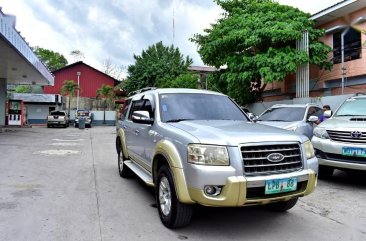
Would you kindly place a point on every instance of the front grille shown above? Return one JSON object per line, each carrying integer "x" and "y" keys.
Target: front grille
{"x": 259, "y": 192}
{"x": 358, "y": 119}
{"x": 255, "y": 159}
{"x": 346, "y": 136}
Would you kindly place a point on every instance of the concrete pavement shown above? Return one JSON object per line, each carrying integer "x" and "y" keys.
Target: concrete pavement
{"x": 63, "y": 184}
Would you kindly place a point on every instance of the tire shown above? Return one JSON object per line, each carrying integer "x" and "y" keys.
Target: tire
{"x": 173, "y": 214}
{"x": 325, "y": 172}
{"x": 282, "y": 206}
{"x": 123, "y": 170}
{"x": 48, "y": 126}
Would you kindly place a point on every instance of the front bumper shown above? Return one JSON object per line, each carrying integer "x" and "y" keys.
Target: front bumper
{"x": 244, "y": 191}
{"x": 329, "y": 153}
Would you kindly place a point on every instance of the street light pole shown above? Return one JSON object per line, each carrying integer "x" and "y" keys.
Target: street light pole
{"x": 77, "y": 99}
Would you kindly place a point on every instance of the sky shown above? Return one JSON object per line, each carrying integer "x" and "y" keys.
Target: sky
{"x": 118, "y": 29}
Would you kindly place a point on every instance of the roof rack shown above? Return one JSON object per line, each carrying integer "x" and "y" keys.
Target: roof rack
{"x": 141, "y": 90}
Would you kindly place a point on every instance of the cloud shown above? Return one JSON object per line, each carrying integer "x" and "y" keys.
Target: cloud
{"x": 115, "y": 29}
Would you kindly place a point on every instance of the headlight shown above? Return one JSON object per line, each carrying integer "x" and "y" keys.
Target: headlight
{"x": 321, "y": 133}
{"x": 309, "y": 149}
{"x": 208, "y": 155}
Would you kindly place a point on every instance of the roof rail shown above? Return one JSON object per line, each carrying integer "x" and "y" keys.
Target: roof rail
{"x": 141, "y": 90}
{"x": 360, "y": 93}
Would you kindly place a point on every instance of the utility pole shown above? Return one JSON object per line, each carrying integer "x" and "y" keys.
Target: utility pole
{"x": 77, "y": 99}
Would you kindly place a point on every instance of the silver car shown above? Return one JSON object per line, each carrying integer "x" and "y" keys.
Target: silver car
{"x": 340, "y": 142}
{"x": 198, "y": 147}
{"x": 299, "y": 118}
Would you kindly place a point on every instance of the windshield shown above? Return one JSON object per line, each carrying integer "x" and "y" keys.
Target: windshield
{"x": 352, "y": 107}
{"x": 178, "y": 107}
{"x": 287, "y": 114}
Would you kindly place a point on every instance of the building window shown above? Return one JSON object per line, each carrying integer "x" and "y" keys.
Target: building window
{"x": 352, "y": 46}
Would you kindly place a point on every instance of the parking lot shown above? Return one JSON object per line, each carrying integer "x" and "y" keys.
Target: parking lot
{"x": 63, "y": 184}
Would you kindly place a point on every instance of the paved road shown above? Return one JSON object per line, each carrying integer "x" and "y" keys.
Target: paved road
{"x": 63, "y": 184}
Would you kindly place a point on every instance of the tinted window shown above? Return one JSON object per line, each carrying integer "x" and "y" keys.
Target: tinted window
{"x": 283, "y": 114}
{"x": 314, "y": 111}
{"x": 136, "y": 105}
{"x": 352, "y": 107}
{"x": 57, "y": 113}
{"x": 198, "y": 107}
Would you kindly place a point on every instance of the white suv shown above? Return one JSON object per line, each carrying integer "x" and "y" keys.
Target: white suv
{"x": 340, "y": 142}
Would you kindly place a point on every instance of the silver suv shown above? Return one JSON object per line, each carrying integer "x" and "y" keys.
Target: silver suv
{"x": 197, "y": 146}
{"x": 340, "y": 142}
{"x": 299, "y": 118}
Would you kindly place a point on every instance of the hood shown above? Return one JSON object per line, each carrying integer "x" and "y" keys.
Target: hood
{"x": 335, "y": 123}
{"x": 280, "y": 124}
{"x": 233, "y": 133}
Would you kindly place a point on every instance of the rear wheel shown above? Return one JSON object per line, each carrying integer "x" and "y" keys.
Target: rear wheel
{"x": 173, "y": 214}
{"x": 282, "y": 206}
{"x": 325, "y": 172}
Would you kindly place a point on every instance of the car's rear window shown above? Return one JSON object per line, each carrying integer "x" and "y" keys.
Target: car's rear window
{"x": 58, "y": 113}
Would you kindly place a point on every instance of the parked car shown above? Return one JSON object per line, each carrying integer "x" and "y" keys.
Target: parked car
{"x": 87, "y": 118}
{"x": 57, "y": 118}
{"x": 340, "y": 142}
{"x": 299, "y": 118}
{"x": 198, "y": 147}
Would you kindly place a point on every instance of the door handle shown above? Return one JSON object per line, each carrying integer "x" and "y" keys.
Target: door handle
{"x": 124, "y": 126}
{"x": 137, "y": 132}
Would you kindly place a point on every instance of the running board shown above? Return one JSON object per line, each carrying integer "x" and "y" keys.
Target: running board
{"x": 140, "y": 172}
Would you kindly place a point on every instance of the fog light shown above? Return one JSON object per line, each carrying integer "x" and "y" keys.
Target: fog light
{"x": 212, "y": 190}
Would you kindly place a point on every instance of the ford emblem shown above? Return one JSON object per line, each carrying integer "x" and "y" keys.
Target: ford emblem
{"x": 356, "y": 134}
{"x": 275, "y": 157}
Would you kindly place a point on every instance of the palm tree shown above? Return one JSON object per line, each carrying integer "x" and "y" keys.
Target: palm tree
{"x": 68, "y": 89}
{"x": 105, "y": 92}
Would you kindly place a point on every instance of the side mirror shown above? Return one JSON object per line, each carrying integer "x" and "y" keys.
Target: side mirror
{"x": 313, "y": 118}
{"x": 327, "y": 113}
{"x": 142, "y": 117}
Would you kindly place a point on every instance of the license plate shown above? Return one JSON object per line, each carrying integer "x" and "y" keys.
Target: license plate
{"x": 353, "y": 151}
{"x": 281, "y": 185}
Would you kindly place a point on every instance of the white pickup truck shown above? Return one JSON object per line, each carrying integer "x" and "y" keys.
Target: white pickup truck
{"x": 57, "y": 118}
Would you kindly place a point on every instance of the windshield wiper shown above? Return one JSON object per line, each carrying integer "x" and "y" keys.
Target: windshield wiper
{"x": 177, "y": 120}
{"x": 350, "y": 115}
{"x": 275, "y": 120}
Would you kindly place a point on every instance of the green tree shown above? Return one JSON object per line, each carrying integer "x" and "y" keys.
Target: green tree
{"x": 52, "y": 60}
{"x": 68, "y": 89}
{"x": 106, "y": 92}
{"x": 23, "y": 89}
{"x": 156, "y": 66}
{"x": 186, "y": 80}
{"x": 256, "y": 39}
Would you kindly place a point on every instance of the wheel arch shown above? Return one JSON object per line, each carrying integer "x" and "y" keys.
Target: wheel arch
{"x": 167, "y": 154}
{"x": 121, "y": 143}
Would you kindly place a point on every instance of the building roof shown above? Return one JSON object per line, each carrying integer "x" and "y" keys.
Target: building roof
{"x": 337, "y": 10}
{"x": 82, "y": 63}
{"x": 204, "y": 69}
{"x": 19, "y": 64}
{"x": 37, "y": 98}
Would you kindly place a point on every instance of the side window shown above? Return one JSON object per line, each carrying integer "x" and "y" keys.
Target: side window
{"x": 125, "y": 109}
{"x": 147, "y": 106}
{"x": 315, "y": 111}
{"x": 136, "y": 105}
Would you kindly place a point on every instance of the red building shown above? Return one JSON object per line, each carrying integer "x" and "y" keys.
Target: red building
{"x": 90, "y": 79}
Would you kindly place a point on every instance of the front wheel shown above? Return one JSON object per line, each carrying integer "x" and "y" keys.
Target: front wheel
{"x": 282, "y": 206}
{"x": 123, "y": 170}
{"x": 173, "y": 214}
